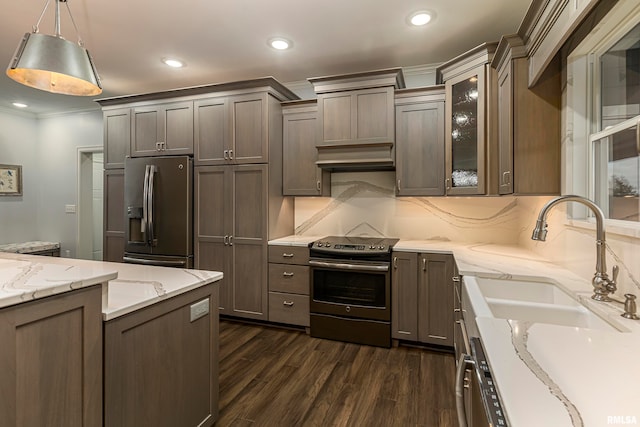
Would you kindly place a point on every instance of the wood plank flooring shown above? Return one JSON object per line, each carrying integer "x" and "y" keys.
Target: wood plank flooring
{"x": 278, "y": 377}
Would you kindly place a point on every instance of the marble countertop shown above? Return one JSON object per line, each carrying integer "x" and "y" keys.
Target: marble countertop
{"x": 296, "y": 240}
{"x": 130, "y": 287}
{"x": 28, "y": 277}
{"x": 549, "y": 374}
{"x": 139, "y": 286}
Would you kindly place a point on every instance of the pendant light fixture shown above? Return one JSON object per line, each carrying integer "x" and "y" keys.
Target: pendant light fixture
{"x": 53, "y": 64}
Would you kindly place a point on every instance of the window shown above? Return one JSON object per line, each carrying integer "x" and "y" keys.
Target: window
{"x": 604, "y": 121}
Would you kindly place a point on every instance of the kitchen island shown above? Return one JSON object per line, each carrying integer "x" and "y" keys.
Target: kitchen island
{"x": 549, "y": 374}
{"x": 157, "y": 327}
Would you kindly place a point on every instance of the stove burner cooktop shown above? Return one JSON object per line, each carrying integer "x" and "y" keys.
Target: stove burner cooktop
{"x": 353, "y": 246}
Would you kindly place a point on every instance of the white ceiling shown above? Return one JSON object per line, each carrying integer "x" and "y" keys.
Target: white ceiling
{"x": 226, "y": 40}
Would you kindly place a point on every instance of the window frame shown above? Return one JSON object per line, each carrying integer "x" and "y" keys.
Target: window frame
{"x": 582, "y": 112}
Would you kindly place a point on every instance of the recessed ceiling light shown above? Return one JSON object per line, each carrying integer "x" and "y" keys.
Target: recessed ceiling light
{"x": 19, "y": 105}
{"x": 280, "y": 43}
{"x": 174, "y": 63}
{"x": 420, "y": 18}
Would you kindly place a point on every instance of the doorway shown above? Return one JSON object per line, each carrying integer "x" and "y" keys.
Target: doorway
{"x": 90, "y": 203}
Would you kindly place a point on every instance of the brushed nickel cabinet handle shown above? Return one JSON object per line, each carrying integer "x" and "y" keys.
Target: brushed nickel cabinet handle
{"x": 230, "y": 240}
{"x": 230, "y": 154}
{"x": 286, "y": 255}
{"x": 226, "y": 240}
{"x": 395, "y": 262}
{"x": 446, "y": 184}
{"x": 287, "y": 303}
{"x": 456, "y": 278}
{"x": 399, "y": 186}
{"x": 424, "y": 264}
{"x": 226, "y": 154}
{"x": 286, "y": 274}
{"x": 318, "y": 185}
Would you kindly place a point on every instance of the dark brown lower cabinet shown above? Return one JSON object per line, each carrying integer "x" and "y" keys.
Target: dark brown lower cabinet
{"x": 51, "y": 361}
{"x": 161, "y": 364}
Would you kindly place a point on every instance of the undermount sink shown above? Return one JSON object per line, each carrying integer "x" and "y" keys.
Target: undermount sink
{"x": 531, "y": 300}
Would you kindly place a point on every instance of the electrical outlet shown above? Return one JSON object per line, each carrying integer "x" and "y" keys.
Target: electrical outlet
{"x": 199, "y": 309}
{"x": 70, "y": 208}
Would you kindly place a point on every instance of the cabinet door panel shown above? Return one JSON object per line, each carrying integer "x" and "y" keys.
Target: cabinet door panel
{"x": 117, "y": 137}
{"x": 374, "y": 116}
{"x": 436, "y": 293}
{"x": 300, "y": 174}
{"x": 215, "y": 256}
{"x": 51, "y": 361}
{"x": 250, "y": 297}
{"x": 249, "y": 202}
{"x": 404, "y": 297}
{"x": 178, "y": 128}
{"x": 211, "y": 130}
{"x": 420, "y": 149}
{"x": 114, "y": 215}
{"x": 145, "y": 132}
{"x": 505, "y": 130}
{"x": 249, "y": 129}
{"x": 336, "y": 117}
{"x": 211, "y": 198}
{"x": 465, "y": 132}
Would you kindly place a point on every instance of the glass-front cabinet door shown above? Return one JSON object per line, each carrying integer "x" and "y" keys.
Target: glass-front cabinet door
{"x": 464, "y": 135}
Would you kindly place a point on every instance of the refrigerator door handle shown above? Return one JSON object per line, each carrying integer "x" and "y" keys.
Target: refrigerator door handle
{"x": 152, "y": 173}
{"x": 145, "y": 196}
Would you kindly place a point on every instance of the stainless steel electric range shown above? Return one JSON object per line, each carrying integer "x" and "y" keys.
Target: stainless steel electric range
{"x": 351, "y": 289}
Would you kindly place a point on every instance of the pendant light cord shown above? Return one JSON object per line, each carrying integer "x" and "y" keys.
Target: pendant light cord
{"x": 36, "y": 28}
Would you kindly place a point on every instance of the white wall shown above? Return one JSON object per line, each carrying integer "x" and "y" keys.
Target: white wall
{"x": 46, "y": 148}
{"x": 58, "y": 140}
{"x": 18, "y": 143}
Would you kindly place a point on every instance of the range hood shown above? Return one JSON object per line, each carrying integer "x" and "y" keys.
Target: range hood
{"x": 356, "y": 120}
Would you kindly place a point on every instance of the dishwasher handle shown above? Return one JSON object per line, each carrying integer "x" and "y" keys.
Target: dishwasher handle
{"x": 465, "y": 362}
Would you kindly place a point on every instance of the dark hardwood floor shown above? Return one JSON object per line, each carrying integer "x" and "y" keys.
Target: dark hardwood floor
{"x": 279, "y": 377}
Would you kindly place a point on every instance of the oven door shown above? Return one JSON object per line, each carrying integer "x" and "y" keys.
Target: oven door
{"x": 348, "y": 288}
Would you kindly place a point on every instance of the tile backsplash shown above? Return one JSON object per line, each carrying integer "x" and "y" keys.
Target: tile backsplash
{"x": 365, "y": 204}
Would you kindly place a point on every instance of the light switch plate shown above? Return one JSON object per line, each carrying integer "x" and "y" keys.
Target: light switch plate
{"x": 199, "y": 309}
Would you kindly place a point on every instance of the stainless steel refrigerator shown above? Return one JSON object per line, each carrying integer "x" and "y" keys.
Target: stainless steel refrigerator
{"x": 158, "y": 211}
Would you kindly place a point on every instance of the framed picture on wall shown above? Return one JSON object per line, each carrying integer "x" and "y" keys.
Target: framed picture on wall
{"x": 10, "y": 180}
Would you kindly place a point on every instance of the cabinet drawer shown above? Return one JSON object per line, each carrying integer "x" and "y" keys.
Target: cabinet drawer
{"x": 287, "y": 308}
{"x": 289, "y": 278}
{"x": 289, "y": 254}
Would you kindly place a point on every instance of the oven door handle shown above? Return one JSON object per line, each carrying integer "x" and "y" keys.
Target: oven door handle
{"x": 465, "y": 362}
{"x": 346, "y": 266}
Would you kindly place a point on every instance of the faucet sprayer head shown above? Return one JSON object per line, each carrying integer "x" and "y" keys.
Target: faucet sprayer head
{"x": 540, "y": 232}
